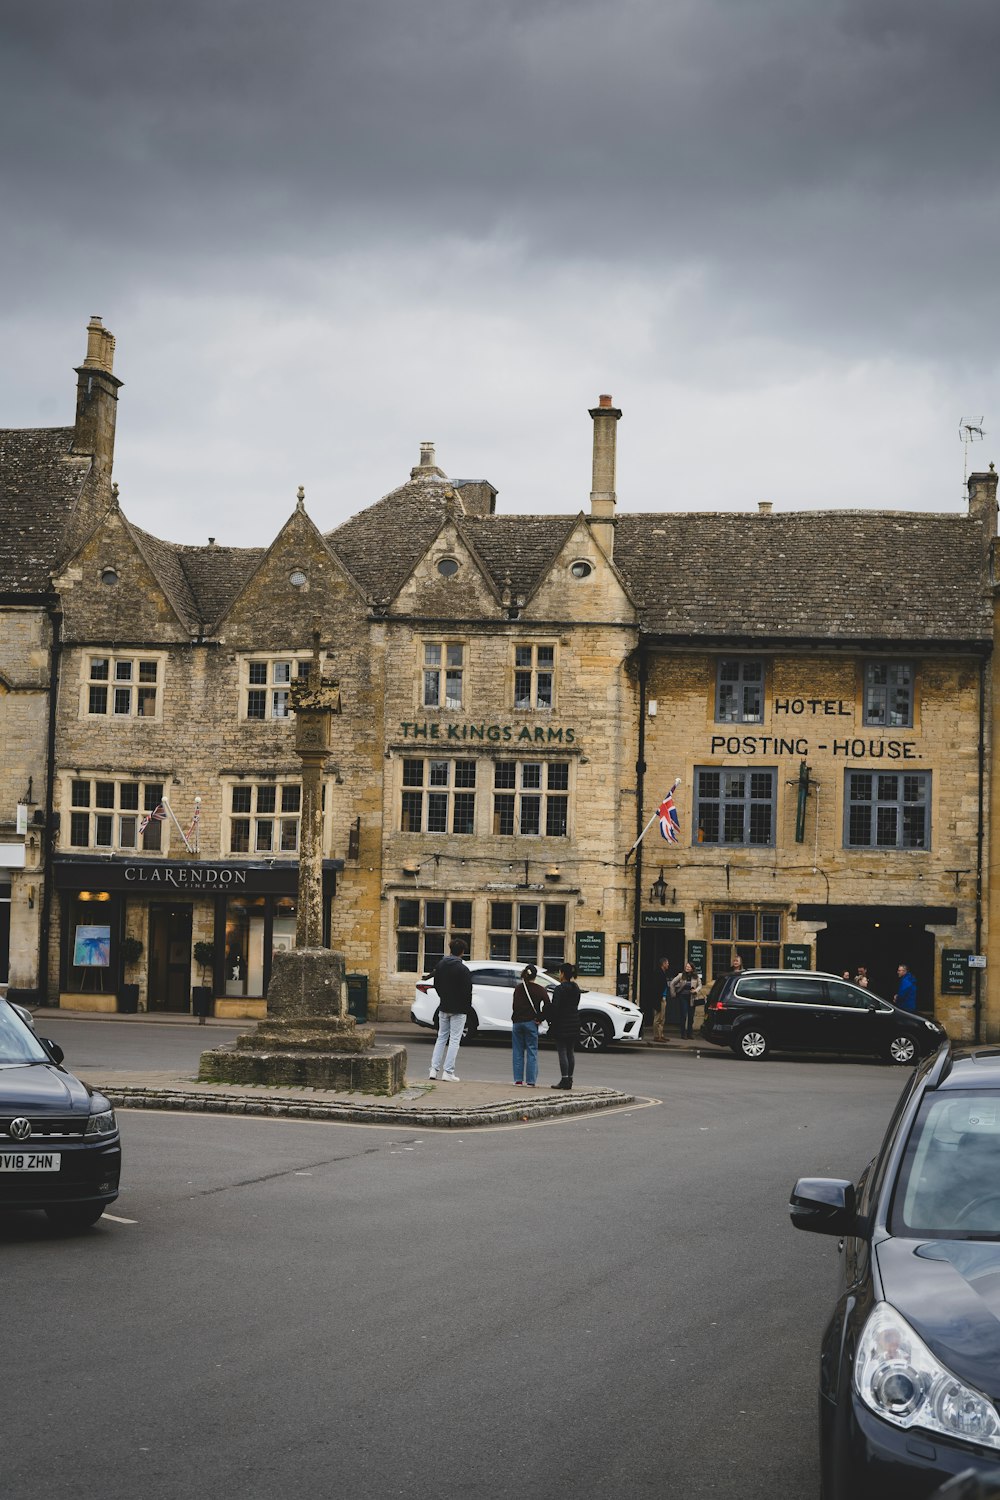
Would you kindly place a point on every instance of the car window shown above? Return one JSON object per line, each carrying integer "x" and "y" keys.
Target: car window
{"x": 846, "y": 996}
{"x": 17, "y": 1043}
{"x": 501, "y": 978}
{"x": 947, "y": 1184}
{"x": 755, "y": 989}
{"x": 800, "y": 991}
{"x": 716, "y": 990}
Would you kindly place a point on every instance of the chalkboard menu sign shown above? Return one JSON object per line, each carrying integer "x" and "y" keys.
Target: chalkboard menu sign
{"x": 590, "y": 953}
{"x": 697, "y": 951}
{"x": 956, "y": 976}
{"x": 796, "y": 956}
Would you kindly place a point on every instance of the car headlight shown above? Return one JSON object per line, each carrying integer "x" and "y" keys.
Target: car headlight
{"x": 617, "y": 1005}
{"x": 899, "y": 1379}
{"x": 933, "y": 1026}
{"x": 102, "y": 1124}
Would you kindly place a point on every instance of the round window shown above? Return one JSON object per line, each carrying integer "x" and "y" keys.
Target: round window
{"x": 297, "y": 577}
{"x": 581, "y": 569}
{"x": 109, "y": 576}
{"x": 447, "y": 567}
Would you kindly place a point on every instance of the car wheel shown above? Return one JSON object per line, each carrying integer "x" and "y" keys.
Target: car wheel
{"x": 752, "y": 1043}
{"x": 902, "y": 1049}
{"x": 595, "y": 1034}
{"x": 74, "y": 1215}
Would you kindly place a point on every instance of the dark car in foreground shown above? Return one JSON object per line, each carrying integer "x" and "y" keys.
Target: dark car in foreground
{"x": 59, "y": 1144}
{"x": 780, "y": 1010}
{"x": 909, "y": 1386}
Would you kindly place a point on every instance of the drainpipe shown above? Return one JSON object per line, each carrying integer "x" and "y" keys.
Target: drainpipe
{"x": 640, "y": 778}
{"x": 980, "y": 835}
{"x": 48, "y": 831}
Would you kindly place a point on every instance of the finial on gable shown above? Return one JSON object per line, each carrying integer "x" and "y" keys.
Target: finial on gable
{"x": 114, "y": 497}
{"x": 300, "y": 499}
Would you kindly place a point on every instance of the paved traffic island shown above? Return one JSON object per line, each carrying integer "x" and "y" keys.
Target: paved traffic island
{"x": 424, "y": 1104}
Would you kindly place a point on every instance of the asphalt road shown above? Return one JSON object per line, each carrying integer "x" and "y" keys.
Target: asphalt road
{"x": 597, "y": 1307}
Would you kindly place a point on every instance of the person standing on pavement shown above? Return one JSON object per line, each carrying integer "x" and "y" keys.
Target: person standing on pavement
{"x": 453, "y": 982}
{"x": 861, "y": 977}
{"x": 906, "y": 989}
{"x": 527, "y": 1009}
{"x": 685, "y": 989}
{"x": 563, "y": 1016}
{"x": 661, "y": 1009}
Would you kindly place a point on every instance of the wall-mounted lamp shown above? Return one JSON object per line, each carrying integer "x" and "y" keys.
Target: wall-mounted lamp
{"x": 658, "y": 890}
{"x": 553, "y": 873}
{"x": 411, "y": 869}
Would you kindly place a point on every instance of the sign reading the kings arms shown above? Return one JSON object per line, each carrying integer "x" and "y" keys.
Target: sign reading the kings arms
{"x": 504, "y": 734}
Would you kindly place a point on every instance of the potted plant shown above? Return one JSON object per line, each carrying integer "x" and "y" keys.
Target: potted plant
{"x": 201, "y": 997}
{"x": 128, "y": 994}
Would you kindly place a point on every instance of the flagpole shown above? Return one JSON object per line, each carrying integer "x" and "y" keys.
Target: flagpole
{"x": 642, "y": 835}
{"x": 180, "y": 830}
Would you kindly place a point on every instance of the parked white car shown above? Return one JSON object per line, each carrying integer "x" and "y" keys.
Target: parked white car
{"x": 603, "y": 1018}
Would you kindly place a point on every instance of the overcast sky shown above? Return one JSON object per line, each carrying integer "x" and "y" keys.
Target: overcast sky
{"x": 322, "y": 233}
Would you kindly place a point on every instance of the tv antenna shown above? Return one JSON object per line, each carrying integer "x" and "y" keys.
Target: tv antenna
{"x": 969, "y": 432}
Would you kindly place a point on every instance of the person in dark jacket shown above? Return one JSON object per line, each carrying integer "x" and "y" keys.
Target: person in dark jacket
{"x": 527, "y": 1009}
{"x": 453, "y": 982}
{"x": 563, "y": 1016}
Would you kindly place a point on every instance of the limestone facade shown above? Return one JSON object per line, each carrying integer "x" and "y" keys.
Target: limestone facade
{"x": 519, "y": 693}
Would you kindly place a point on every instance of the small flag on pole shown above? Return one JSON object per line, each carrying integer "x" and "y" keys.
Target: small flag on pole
{"x": 158, "y": 815}
{"x": 192, "y": 828}
{"x": 669, "y": 820}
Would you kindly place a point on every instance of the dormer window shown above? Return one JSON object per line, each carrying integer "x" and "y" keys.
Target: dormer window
{"x": 581, "y": 568}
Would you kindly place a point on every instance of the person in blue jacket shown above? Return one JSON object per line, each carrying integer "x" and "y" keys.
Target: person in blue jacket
{"x": 906, "y": 989}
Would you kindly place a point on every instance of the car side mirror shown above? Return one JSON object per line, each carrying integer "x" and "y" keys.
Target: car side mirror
{"x": 824, "y": 1205}
{"x": 53, "y": 1049}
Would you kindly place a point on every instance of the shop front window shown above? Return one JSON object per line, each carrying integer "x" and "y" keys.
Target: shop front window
{"x": 283, "y": 926}
{"x": 89, "y": 955}
{"x": 245, "y": 945}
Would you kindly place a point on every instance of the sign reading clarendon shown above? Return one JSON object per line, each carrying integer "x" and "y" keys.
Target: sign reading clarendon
{"x": 188, "y": 877}
{"x": 493, "y": 734}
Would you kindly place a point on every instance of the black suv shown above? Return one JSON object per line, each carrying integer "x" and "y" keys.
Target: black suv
{"x": 791, "y": 1011}
{"x": 59, "y": 1145}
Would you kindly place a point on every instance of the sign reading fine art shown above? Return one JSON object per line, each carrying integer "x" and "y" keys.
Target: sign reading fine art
{"x": 504, "y": 734}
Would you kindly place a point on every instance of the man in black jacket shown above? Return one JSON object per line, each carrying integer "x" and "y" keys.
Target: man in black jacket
{"x": 453, "y": 982}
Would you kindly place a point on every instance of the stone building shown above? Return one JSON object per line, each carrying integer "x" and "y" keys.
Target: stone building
{"x": 519, "y": 693}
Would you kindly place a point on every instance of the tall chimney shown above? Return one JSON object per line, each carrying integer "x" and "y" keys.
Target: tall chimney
{"x": 97, "y": 399}
{"x": 602, "y": 492}
{"x": 983, "y": 499}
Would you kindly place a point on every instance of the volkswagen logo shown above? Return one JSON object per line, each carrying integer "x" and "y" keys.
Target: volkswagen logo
{"x": 20, "y": 1128}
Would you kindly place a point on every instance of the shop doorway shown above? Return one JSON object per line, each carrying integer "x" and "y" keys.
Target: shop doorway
{"x": 170, "y": 958}
{"x": 882, "y": 946}
{"x": 658, "y": 943}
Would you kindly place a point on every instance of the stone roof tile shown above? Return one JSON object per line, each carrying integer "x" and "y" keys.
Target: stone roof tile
{"x": 40, "y": 482}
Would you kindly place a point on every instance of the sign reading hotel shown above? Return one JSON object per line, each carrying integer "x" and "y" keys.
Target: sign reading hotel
{"x": 850, "y": 747}
{"x": 494, "y": 734}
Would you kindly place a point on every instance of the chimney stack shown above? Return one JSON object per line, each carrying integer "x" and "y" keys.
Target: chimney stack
{"x": 97, "y": 399}
{"x": 427, "y": 468}
{"x": 606, "y": 417}
{"x": 983, "y": 499}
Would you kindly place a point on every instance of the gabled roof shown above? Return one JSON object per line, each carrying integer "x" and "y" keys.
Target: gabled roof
{"x": 40, "y": 483}
{"x": 383, "y": 544}
{"x": 841, "y": 575}
{"x": 521, "y": 548}
{"x": 215, "y": 575}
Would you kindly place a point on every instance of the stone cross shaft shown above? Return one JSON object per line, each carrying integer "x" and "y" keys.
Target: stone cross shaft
{"x": 315, "y": 702}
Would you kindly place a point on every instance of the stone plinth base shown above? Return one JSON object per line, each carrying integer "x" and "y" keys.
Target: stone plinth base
{"x": 307, "y": 982}
{"x": 308, "y": 1034}
{"x": 381, "y": 1070}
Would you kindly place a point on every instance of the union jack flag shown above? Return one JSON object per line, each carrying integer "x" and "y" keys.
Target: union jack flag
{"x": 158, "y": 815}
{"x": 669, "y": 820}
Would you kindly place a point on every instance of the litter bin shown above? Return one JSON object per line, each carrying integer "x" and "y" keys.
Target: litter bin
{"x": 357, "y": 996}
{"x": 201, "y": 1001}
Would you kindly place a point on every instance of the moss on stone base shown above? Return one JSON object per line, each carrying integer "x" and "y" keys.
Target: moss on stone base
{"x": 380, "y": 1071}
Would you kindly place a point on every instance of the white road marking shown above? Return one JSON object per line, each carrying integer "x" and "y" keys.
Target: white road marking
{"x": 117, "y": 1219}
